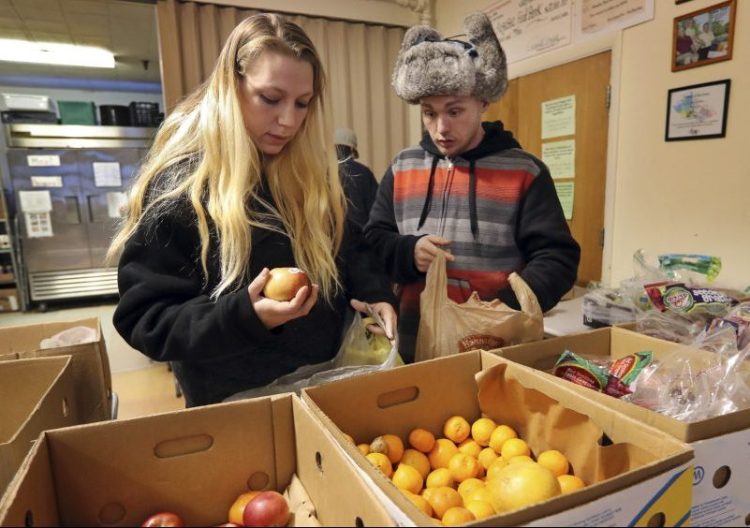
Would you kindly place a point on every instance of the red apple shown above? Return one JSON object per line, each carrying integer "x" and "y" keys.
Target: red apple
{"x": 164, "y": 519}
{"x": 284, "y": 283}
{"x": 267, "y": 509}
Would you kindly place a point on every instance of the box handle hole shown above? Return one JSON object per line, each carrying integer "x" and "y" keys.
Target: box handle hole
{"x": 28, "y": 519}
{"x": 722, "y": 476}
{"x": 183, "y": 446}
{"x": 111, "y": 513}
{"x": 398, "y": 397}
{"x": 605, "y": 441}
{"x": 319, "y": 461}
{"x": 657, "y": 520}
{"x": 65, "y": 408}
{"x": 258, "y": 481}
{"x": 358, "y": 522}
{"x": 747, "y": 520}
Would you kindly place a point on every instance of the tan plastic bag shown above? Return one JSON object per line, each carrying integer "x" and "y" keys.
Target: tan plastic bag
{"x": 447, "y": 327}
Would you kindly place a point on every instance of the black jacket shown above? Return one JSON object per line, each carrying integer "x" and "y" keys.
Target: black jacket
{"x": 360, "y": 188}
{"x": 219, "y": 348}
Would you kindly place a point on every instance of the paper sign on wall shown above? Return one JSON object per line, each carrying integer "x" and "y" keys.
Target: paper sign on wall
{"x": 46, "y": 181}
{"x": 566, "y": 194}
{"x": 107, "y": 174}
{"x": 560, "y": 158}
{"x": 116, "y": 204}
{"x": 559, "y": 117}
{"x": 38, "y": 225}
{"x": 43, "y": 160}
{"x": 35, "y": 201}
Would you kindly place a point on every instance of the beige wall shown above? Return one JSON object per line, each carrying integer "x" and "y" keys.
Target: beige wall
{"x": 381, "y": 11}
{"x": 685, "y": 196}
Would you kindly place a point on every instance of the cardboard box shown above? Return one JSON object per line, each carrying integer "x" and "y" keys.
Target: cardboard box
{"x": 35, "y": 394}
{"x": 8, "y": 300}
{"x": 721, "y": 444}
{"x": 642, "y": 465}
{"x": 194, "y": 462}
{"x": 90, "y": 366}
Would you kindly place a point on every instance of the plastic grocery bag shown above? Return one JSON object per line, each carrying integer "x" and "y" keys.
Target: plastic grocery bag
{"x": 447, "y": 327}
{"x": 72, "y": 336}
{"x": 360, "y": 352}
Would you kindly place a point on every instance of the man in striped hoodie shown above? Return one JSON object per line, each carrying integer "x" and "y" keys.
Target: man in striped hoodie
{"x": 468, "y": 188}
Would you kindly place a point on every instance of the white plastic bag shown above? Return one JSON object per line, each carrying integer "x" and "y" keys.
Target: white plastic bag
{"x": 77, "y": 335}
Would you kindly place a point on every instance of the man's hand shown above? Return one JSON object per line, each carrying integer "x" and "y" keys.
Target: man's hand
{"x": 386, "y": 313}
{"x": 426, "y": 249}
{"x": 276, "y": 313}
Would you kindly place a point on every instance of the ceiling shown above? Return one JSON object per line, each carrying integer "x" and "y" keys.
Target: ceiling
{"x": 125, "y": 27}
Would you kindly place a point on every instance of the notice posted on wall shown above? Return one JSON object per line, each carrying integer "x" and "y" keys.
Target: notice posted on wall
{"x": 43, "y": 160}
{"x": 36, "y": 206}
{"x": 47, "y": 181}
{"x": 560, "y": 158}
{"x": 559, "y": 117}
{"x": 38, "y": 225}
{"x": 566, "y": 194}
{"x": 107, "y": 174}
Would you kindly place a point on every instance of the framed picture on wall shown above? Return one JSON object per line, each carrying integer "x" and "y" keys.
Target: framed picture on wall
{"x": 704, "y": 36}
{"x": 698, "y": 111}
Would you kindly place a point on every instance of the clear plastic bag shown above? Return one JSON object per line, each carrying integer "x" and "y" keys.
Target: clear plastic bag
{"x": 358, "y": 354}
{"x": 77, "y": 335}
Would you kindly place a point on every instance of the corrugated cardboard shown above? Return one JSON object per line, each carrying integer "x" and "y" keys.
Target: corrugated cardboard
{"x": 426, "y": 394}
{"x": 722, "y": 444}
{"x": 90, "y": 365}
{"x": 35, "y": 394}
{"x": 194, "y": 462}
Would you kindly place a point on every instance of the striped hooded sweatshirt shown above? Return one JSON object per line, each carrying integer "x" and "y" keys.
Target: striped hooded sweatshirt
{"x": 498, "y": 206}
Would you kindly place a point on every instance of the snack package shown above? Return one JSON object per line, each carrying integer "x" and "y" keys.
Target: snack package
{"x": 702, "y": 266}
{"x": 610, "y": 377}
{"x": 681, "y": 298}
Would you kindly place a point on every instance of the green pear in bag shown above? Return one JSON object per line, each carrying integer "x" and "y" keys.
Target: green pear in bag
{"x": 447, "y": 327}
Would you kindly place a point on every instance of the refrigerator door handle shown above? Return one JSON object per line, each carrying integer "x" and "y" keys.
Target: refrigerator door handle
{"x": 91, "y": 203}
{"x": 72, "y": 210}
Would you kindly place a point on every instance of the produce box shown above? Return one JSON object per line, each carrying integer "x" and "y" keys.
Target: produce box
{"x": 193, "y": 462}
{"x": 721, "y": 496}
{"x": 642, "y": 477}
{"x": 8, "y": 300}
{"x": 90, "y": 365}
{"x": 35, "y": 394}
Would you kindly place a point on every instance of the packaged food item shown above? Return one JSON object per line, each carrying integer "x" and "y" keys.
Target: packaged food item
{"x": 704, "y": 265}
{"x": 681, "y": 298}
{"x": 610, "y": 377}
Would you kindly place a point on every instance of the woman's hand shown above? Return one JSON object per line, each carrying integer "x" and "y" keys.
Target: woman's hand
{"x": 386, "y": 313}
{"x": 426, "y": 249}
{"x": 276, "y": 313}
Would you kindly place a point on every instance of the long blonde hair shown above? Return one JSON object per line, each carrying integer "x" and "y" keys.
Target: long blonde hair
{"x": 203, "y": 153}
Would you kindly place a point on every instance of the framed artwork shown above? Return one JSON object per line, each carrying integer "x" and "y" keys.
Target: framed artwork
{"x": 704, "y": 36}
{"x": 698, "y": 111}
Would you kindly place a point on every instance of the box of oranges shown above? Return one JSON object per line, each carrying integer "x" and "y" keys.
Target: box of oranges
{"x": 474, "y": 438}
{"x": 200, "y": 465}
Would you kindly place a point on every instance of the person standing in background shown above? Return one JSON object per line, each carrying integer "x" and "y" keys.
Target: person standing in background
{"x": 360, "y": 185}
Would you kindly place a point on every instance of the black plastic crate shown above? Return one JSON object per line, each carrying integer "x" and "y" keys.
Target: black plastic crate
{"x": 144, "y": 114}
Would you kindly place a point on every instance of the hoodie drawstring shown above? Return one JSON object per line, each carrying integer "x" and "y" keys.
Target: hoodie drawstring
{"x": 473, "y": 199}
{"x": 428, "y": 198}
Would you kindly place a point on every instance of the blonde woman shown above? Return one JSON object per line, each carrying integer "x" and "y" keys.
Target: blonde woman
{"x": 242, "y": 178}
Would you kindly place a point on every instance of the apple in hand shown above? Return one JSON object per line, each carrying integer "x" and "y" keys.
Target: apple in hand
{"x": 284, "y": 283}
{"x": 268, "y": 508}
{"x": 163, "y": 519}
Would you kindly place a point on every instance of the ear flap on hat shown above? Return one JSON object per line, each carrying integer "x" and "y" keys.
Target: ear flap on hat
{"x": 492, "y": 73}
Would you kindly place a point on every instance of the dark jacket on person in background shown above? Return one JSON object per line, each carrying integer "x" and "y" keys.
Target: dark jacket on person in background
{"x": 360, "y": 188}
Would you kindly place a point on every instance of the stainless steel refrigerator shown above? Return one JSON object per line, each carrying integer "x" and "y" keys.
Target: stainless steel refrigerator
{"x": 68, "y": 185}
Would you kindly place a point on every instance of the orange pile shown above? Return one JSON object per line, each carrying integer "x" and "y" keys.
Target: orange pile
{"x": 474, "y": 471}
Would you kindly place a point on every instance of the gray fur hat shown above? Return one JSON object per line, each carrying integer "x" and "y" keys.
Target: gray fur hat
{"x": 428, "y": 65}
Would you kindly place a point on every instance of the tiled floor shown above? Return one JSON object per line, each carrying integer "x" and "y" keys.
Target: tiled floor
{"x": 142, "y": 386}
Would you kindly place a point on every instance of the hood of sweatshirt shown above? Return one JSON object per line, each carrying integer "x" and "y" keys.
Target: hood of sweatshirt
{"x": 496, "y": 139}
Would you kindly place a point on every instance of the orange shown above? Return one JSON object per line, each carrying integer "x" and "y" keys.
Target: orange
{"x": 499, "y": 436}
{"x": 457, "y": 515}
{"x": 417, "y": 460}
{"x": 498, "y": 464}
{"x": 456, "y": 428}
{"x": 555, "y": 461}
{"x": 520, "y": 485}
{"x": 442, "y": 499}
{"x": 408, "y": 478}
{"x": 481, "y": 431}
{"x": 380, "y": 461}
{"x": 569, "y": 483}
{"x": 521, "y": 459}
{"x": 364, "y": 448}
{"x": 486, "y": 457}
{"x": 441, "y": 453}
{"x": 470, "y": 447}
{"x": 481, "y": 509}
{"x": 439, "y": 478}
{"x": 463, "y": 466}
{"x": 479, "y": 494}
{"x": 390, "y": 445}
{"x": 237, "y": 509}
{"x": 469, "y": 485}
{"x": 420, "y": 502}
{"x": 422, "y": 440}
{"x": 514, "y": 447}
